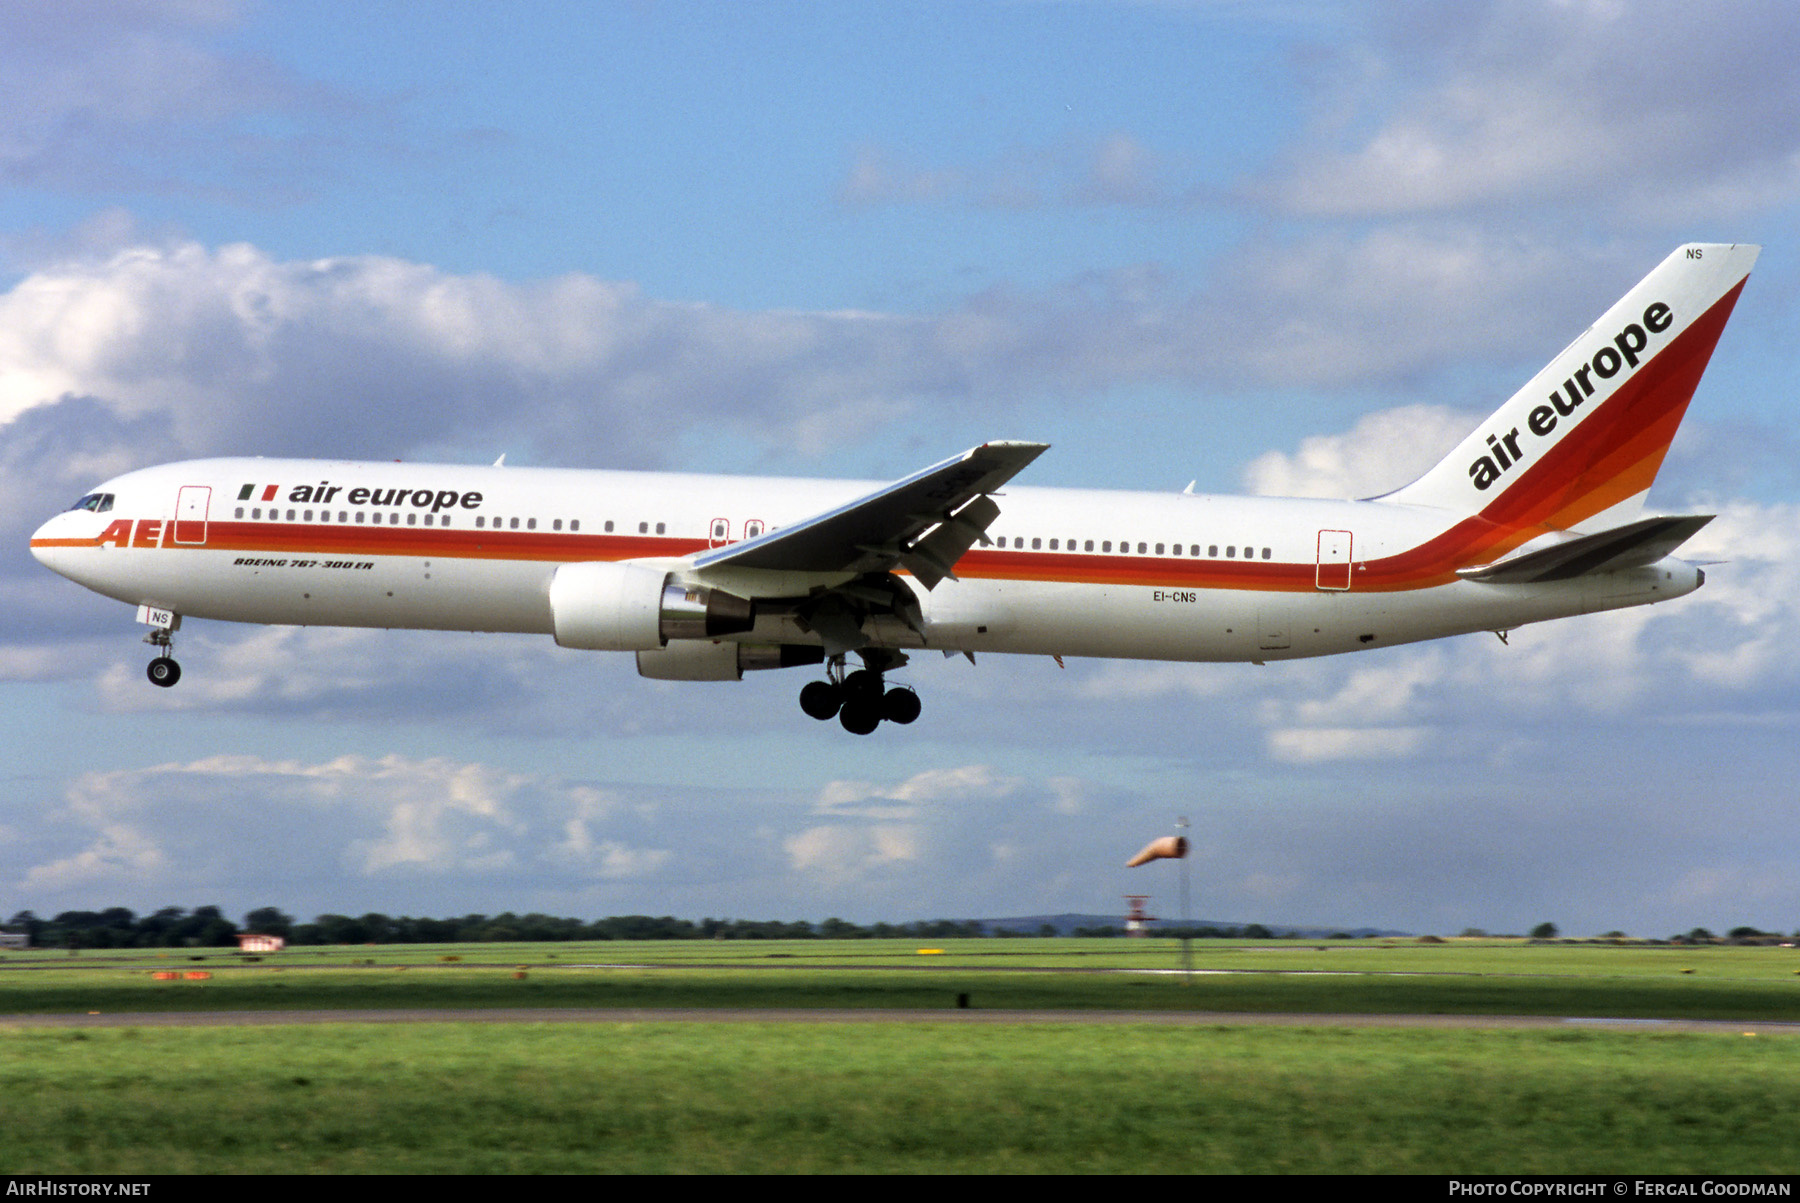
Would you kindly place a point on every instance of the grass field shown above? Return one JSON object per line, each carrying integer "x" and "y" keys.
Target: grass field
{"x": 892, "y": 1098}
{"x": 1468, "y": 978}
{"x": 902, "y": 1097}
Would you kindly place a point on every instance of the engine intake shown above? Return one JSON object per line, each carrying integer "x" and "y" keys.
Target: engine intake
{"x": 632, "y": 607}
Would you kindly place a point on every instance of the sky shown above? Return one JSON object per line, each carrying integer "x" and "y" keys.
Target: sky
{"x": 1287, "y": 247}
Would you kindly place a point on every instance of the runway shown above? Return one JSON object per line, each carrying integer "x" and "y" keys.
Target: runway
{"x": 846, "y": 1015}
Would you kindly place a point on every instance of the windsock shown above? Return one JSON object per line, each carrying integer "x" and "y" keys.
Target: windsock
{"x": 1169, "y": 846}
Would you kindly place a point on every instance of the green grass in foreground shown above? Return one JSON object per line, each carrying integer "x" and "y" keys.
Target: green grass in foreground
{"x": 891, "y": 1098}
{"x": 1369, "y": 978}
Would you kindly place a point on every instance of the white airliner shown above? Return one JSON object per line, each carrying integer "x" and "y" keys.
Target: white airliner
{"x": 1536, "y": 515}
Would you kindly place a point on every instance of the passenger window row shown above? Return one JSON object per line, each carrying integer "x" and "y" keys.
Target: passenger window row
{"x": 1231, "y": 550}
{"x": 359, "y": 517}
{"x": 498, "y": 523}
{"x": 101, "y": 502}
{"x": 347, "y": 517}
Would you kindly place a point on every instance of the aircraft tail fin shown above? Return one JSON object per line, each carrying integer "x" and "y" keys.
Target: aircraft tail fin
{"x": 1578, "y": 447}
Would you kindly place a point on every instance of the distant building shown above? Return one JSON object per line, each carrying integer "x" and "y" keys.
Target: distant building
{"x": 1138, "y": 921}
{"x": 15, "y": 939}
{"x": 250, "y": 941}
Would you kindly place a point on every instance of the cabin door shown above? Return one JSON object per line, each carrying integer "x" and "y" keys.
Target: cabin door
{"x": 1334, "y": 560}
{"x": 190, "y": 514}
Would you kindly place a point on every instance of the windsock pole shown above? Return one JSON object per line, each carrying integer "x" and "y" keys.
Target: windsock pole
{"x": 1173, "y": 847}
{"x": 1187, "y": 935}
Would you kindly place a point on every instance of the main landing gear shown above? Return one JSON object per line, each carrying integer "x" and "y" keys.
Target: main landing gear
{"x": 859, "y": 700}
{"x": 163, "y": 670}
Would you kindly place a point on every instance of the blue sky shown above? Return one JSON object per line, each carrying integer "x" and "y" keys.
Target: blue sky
{"x": 1286, "y": 247}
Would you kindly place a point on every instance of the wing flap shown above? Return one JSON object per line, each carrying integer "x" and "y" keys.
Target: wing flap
{"x": 1630, "y": 546}
{"x": 924, "y": 522}
{"x": 934, "y": 557}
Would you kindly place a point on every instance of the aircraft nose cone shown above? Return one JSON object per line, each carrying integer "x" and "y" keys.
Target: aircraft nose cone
{"x": 49, "y": 543}
{"x": 39, "y": 550}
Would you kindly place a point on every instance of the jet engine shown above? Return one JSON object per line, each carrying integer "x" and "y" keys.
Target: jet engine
{"x": 633, "y": 607}
{"x": 705, "y": 660}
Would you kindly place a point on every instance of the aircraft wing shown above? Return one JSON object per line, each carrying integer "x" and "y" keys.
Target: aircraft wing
{"x": 923, "y": 523}
{"x": 1630, "y": 546}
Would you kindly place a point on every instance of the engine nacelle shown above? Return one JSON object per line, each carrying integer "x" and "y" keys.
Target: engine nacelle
{"x": 632, "y": 607}
{"x": 705, "y": 660}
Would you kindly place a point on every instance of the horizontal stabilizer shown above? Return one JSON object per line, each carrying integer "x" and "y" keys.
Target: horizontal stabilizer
{"x": 1630, "y": 546}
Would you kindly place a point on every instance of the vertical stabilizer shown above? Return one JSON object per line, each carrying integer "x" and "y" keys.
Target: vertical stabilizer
{"x": 1578, "y": 447}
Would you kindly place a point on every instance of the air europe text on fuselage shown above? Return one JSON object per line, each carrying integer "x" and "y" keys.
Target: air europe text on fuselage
{"x": 325, "y": 492}
{"x": 1619, "y": 355}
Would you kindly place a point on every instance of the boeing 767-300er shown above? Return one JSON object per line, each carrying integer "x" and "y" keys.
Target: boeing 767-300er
{"x": 1536, "y": 515}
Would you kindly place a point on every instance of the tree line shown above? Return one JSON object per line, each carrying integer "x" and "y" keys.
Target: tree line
{"x": 208, "y": 927}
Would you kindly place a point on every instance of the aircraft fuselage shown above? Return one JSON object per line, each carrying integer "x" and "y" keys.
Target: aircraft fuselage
{"x": 1073, "y": 572}
{"x": 1535, "y": 515}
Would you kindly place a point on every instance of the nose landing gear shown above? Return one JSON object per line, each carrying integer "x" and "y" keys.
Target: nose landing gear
{"x": 859, "y": 700}
{"x": 163, "y": 670}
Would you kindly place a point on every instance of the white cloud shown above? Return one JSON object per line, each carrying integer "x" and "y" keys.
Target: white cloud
{"x": 234, "y": 349}
{"x": 162, "y": 352}
{"x": 1375, "y": 692}
{"x": 118, "y": 853}
{"x": 969, "y": 822}
{"x": 1720, "y": 652}
{"x": 1394, "y": 301}
{"x": 836, "y": 855}
{"x": 1382, "y": 452}
{"x": 1308, "y": 745}
{"x": 128, "y": 345}
{"x": 879, "y": 177}
{"x": 514, "y": 682}
{"x": 438, "y": 816}
{"x": 289, "y": 823}
{"x": 1747, "y": 616}
{"x": 1122, "y": 171}
{"x": 1659, "y": 111}
{"x": 151, "y": 97}
{"x": 920, "y": 791}
{"x": 1069, "y": 794}
{"x": 1140, "y": 680}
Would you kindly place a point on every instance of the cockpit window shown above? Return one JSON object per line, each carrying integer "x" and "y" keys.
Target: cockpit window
{"x": 97, "y": 503}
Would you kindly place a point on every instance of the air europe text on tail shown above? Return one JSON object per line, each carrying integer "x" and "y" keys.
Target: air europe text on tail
{"x": 1580, "y": 444}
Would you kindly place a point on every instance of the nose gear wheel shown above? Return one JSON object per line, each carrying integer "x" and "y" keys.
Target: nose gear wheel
{"x": 163, "y": 670}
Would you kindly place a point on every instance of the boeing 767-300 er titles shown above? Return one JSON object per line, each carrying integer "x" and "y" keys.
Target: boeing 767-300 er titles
{"x": 1536, "y": 515}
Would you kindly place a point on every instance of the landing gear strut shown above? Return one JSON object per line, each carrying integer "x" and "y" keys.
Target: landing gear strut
{"x": 859, "y": 700}
{"x": 163, "y": 670}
